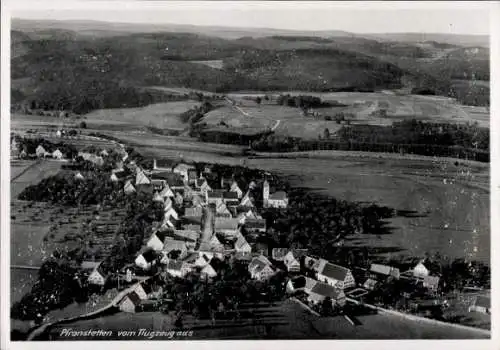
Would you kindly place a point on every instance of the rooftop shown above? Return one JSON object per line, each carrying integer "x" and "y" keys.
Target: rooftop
{"x": 334, "y": 271}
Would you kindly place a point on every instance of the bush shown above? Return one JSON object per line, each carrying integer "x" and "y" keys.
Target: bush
{"x": 83, "y": 125}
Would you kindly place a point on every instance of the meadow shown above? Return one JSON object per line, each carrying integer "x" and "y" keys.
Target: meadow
{"x": 159, "y": 115}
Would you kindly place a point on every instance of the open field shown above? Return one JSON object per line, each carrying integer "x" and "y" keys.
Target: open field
{"x": 159, "y": 115}
{"x": 287, "y": 320}
{"x": 362, "y": 105}
{"x": 448, "y": 204}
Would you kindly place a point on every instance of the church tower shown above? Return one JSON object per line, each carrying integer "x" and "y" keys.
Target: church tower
{"x": 265, "y": 193}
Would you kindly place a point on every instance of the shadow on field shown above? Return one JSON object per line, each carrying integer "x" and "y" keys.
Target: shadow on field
{"x": 410, "y": 214}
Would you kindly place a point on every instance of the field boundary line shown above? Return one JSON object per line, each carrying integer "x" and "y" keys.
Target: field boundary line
{"x": 12, "y": 179}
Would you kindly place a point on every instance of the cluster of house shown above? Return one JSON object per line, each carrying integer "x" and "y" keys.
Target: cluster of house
{"x": 201, "y": 221}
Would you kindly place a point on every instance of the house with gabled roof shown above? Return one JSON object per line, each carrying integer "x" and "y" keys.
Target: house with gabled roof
{"x": 204, "y": 186}
{"x": 227, "y": 227}
{"x": 57, "y": 154}
{"x": 235, "y": 188}
{"x": 79, "y": 176}
{"x": 208, "y": 272}
{"x": 157, "y": 239}
{"x": 130, "y": 302}
{"x": 370, "y": 284}
{"x": 320, "y": 291}
{"x": 241, "y": 244}
{"x": 166, "y": 192}
{"x": 157, "y": 198}
{"x": 170, "y": 212}
{"x": 113, "y": 177}
{"x": 260, "y": 268}
{"x": 128, "y": 188}
{"x": 336, "y": 276}
{"x": 40, "y": 151}
{"x": 192, "y": 175}
{"x": 179, "y": 199}
{"x": 189, "y": 236}
{"x": 146, "y": 259}
{"x": 384, "y": 270}
{"x": 197, "y": 200}
{"x": 293, "y": 258}
{"x": 198, "y": 259}
{"x": 247, "y": 201}
{"x": 141, "y": 178}
{"x": 420, "y": 270}
{"x": 222, "y": 211}
{"x": 98, "y": 276}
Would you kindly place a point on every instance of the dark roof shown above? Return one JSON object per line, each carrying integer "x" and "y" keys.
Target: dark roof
{"x": 279, "y": 253}
{"x": 299, "y": 253}
{"x": 215, "y": 194}
{"x": 230, "y": 195}
{"x": 149, "y": 255}
{"x": 147, "y": 188}
{"x": 255, "y": 223}
{"x": 483, "y": 301}
{"x": 134, "y": 297}
{"x": 336, "y": 272}
{"x": 383, "y": 269}
{"x": 325, "y": 290}
{"x": 173, "y": 179}
{"x": 174, "y": 265}
{"x": 163, "y": 163}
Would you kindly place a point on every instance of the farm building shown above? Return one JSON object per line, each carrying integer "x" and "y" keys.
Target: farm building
{"x": 335, "y": 275}
{"x": 481, "y": 304}
{"x": 235, "y": 188}
{"x": 98, "y": 276}
{"x": 320, "y": 291}
{"x": 57, "y": 154}
{"x": 146, "y": 260}
{"x": 130, "y": 302}
{"x": 128, "y": 188}
{"x": 241, "y": 244}
{"x": 166, "y": 192}
{"x": 40, "y": 151}
{"x": 227, "y": 227}
{"x": 260, "y": 268}
{"x": 384, "y": 270}
{"x": 275, "y": 200}
{"x": 420, "y": 270}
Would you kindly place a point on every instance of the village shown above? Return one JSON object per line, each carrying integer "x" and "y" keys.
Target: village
{"x": 208, "y": 219}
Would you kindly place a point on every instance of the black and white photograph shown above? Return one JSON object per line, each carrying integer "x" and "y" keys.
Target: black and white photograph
{"x": 273, "y": 170}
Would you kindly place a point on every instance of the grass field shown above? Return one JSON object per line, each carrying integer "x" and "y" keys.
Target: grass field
{"x": 216, "y": 64}
{"x": 160, "y": 115}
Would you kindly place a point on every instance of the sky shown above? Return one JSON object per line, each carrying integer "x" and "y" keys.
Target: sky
{"x": 358, "y": 17}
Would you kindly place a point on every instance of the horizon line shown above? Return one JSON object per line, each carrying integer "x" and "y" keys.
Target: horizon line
{"x": 241, "y": 28}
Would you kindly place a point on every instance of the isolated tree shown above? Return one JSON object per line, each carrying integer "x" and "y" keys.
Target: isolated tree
{"x": 258, "y": 100}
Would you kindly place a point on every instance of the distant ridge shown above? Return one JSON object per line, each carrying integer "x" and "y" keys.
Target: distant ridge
{"x": 101, "y": 28}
